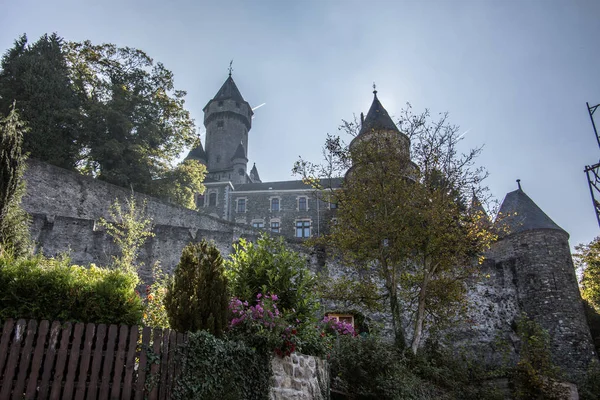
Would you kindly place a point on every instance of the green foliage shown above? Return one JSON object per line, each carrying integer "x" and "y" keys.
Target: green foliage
{"x": 36, "y": 76}
{"x": 14, "y": 221}
{"x": 183, "y": 184}
{"x": 535, "y": 374}
{"x": 222, "y": 369}
{"x": 587, "y": 259}
{"x": 155, "y": 313}
{"x": 589, "y": 389}
{"x": 198, "y": 296}
{"x": 369, "y": 368}
{"x": 270, "y": 267}
{"x": 129, "y": 229}
{"x": 52, "y": 289}
{"x": 135, "y": 123}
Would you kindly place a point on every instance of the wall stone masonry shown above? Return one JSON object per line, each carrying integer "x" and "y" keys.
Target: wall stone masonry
{"x": 299, "y": 377}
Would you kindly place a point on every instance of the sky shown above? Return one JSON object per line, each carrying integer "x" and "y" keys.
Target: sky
{"x": 514, "y": 74}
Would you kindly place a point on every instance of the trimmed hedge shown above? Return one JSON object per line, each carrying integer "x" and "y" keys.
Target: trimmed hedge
{"x": 52, "y": 289}
{"x": 223, "y": 369}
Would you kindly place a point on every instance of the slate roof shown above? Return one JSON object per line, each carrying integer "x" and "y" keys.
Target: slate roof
{"x": 285, "y": 185}
{"x": 197, "y": 153}
{"x": 519, "y": 213}
{"x": 377, "y": 118}
{"x": 254, "y": 172}
{"x": 239, "y": 152}
{"x": 229, "y": 90}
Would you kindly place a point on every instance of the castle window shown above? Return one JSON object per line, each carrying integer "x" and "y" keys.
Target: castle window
{"x": 237, "y": 104}
{"x": 212, "y": 199}
{"x": 275, "y": 204}
{"x": 241, "y": 205}
{"x": 258, "y": 224}
{"x": 303, "y": 228}
{"x": 302, "y": 204}
{"x": 241, "y": 171}
{"x": 220, "y": 124}
{"x": 200, "y": 201}
{"x": 221, "y": 103}
{"x": 218, "y": 160}
{"x": 275, "y": 226}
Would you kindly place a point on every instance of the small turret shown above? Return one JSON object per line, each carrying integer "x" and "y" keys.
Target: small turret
{"x": 240, "y": 163}
{"x": 254, "y": 174}
{"x": 198, "y": 153}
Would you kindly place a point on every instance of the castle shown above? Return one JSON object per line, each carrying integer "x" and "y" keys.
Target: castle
{"x": 529, "y": 270}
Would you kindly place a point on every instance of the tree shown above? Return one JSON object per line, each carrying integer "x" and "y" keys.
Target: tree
{"x": 129, "y": 229}
{"x": 404, "y": 222}
{"x": 135, "y": 122}
{"x": 198, "y": 298}
{"x": 14, "y": 221}
{"x": 587, "y": 259}
{"x": 182, "y": 184}
{"x": 36, "y": 76}
{"x": 269, "y": 267}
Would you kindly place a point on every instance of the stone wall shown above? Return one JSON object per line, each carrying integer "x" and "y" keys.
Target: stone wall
{"x": 300, "y": 377}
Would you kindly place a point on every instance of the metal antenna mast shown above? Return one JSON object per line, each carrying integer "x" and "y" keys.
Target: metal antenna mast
{"x": 593, "y": 171}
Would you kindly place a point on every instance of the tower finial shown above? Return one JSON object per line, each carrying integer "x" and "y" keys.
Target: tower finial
{"x": 374, "y": 89}
{"x": 230, "y": 69}
{"x": 519, "y": 183}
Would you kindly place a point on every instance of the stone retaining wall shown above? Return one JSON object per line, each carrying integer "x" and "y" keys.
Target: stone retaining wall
{"x": 300, "y": 377}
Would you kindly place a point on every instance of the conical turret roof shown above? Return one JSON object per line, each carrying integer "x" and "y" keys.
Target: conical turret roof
{"x": 254, "y": 173}
{"x": 229, "y": 90}
{"x": 240, "y": 152}
{"x": 197, "y": 153}
{"x": 377, "y": 118}
{"x": 519, "y": 213}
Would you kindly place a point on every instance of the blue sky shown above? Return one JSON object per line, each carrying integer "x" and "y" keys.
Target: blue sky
{"x": 515, "y": 74}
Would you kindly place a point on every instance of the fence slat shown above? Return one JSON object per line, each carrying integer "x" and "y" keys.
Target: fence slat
{"x": 13, "y": 359}
{"x": 36, "y": 361}
{"x": 84, "y": 364}
{"x": 155, "y": 367}
{"x": 6, "y": 334}
{"x": 141, "y": 379}
{"x": 61, "y": 360}
{"x": 109, "y": 356}
{"x": 96, "y": 362}
{"x": 25, "y": 357}
{"x": 130, "y": 363}
{"x": 73, "y": 361}
{"x": 119, "y": 363}
{"x": 49, "y": 360}
{"x": 172, "y": 359}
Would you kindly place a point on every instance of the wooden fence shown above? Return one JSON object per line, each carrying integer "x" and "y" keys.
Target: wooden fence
{"x": 87, "y": 361}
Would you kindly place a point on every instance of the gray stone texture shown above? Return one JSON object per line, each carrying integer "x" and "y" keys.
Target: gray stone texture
{"x": 299, "y": 377}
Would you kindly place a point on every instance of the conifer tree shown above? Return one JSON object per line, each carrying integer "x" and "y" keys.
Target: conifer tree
{"x": 14, "y": 222}
{"x": 198, "y": 297}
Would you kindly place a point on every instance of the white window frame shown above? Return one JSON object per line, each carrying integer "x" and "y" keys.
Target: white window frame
{"x": 298, "y": 203}
{"x": 278, "y": 198}
{"x": 237, "y": 205}
{"x": 303, "y": 227}
{"x": 275, "y": 221}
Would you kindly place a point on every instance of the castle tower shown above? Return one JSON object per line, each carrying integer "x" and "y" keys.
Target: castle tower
{"x": 378, "y": 129}
{"x": 536, "y": 251}
{"x": 228, "y": 119}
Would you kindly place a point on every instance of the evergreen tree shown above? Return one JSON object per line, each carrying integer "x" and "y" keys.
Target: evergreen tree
{"x": 198, "y": 297}
{"x": 14, "y": 222}
{"x": 36, "y": 76}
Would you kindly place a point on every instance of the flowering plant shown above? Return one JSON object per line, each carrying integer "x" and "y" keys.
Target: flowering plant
{"x": 263, "y": 319}
{"x": 335, "y": 327}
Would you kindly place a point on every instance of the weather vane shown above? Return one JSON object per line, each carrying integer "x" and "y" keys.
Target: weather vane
{"x": 374, "y": 88}
{"x": 230, "y": 67}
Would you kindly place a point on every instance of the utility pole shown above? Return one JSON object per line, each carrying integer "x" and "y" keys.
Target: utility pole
{"x": 593, "y": 171}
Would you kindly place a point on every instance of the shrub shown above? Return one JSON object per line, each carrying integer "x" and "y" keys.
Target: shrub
{"x": 155, "y": 313}
{"x": 52, "y": 289}
{"x": 198, "y": 297}
{"x": 270, "y": 267}
{"x": 222, "y": 369}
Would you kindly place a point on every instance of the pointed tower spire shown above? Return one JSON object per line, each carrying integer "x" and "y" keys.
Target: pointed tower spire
{"x": 377, "y": 118}
{"x": 198, "y": 153}
{"x": 518, "y": 213}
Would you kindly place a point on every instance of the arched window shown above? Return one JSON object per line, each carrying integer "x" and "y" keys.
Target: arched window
{"x": 212, "y": 199}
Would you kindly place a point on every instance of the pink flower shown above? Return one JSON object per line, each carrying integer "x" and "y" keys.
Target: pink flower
{"x": 258, "y": 296}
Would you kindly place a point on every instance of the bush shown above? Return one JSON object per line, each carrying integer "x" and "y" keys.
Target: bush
{"x": 52, "y": 289}
{"x": 198, "y": 297}
{"x": 222, "y": 369}
{"x": 270, "y": 267}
